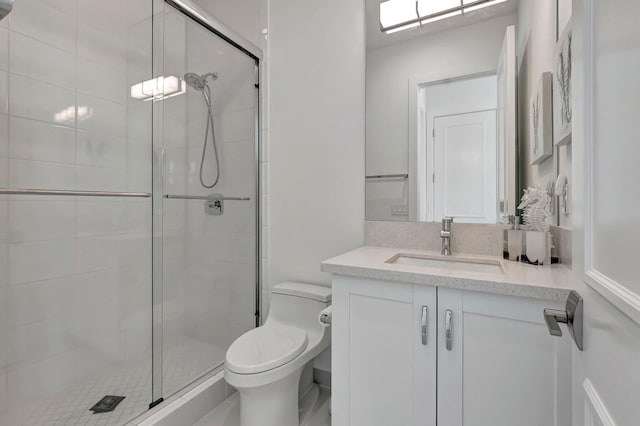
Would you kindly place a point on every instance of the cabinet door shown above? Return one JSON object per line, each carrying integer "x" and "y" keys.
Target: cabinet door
{"x": 503, "y": 368}
{"x": 383, "y": 373}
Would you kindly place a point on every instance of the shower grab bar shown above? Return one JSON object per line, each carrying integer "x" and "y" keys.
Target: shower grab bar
{"x": 74, "y": 193}
{"x": 402, "y": 176}
{"x": 212, "y": 197}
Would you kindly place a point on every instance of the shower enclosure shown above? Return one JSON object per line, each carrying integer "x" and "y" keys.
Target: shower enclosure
{"x": 123, "y": 271}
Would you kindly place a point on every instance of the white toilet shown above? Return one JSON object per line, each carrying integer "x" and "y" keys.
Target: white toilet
{"x": 265, "y": 364}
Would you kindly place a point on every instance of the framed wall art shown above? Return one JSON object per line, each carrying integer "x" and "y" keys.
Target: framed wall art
{"x": 562, "y": 110}
{"x": 540, "y": 120}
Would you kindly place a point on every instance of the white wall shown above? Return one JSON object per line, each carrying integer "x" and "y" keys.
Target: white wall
{"x": 535, "y": 45}
{"x": 460, "y": 96}
{"x": 462, "y": 51}
{"x": 316, "y": 124}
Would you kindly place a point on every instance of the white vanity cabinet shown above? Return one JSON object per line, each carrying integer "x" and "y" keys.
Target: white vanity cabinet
{"x": 382, "y": 373}
{"x": 501, "y": 368}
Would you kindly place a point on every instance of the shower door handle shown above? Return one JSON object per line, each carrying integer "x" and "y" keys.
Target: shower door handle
{"x": 229, "y": 198}
{"x": 73, "y": 193}
{"x": 211, "y": 197}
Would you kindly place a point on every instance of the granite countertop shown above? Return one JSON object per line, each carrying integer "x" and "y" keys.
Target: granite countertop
{"x": 552, "y": 282}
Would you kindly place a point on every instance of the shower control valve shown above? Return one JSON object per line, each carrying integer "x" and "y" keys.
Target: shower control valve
{"x": 214, "y": 207}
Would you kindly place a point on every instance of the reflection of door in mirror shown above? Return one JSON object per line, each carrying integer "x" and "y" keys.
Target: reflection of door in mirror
{"x": 456, "y": 150}
{"x": 464, "y": 165}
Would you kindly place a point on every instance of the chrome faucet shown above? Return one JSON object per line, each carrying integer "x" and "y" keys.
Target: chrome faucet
{"x": 445, "y": 234}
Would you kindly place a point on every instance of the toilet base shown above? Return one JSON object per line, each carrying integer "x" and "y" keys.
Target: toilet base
{"x": 275, "y": 404}
{"x": 308, "y": 402}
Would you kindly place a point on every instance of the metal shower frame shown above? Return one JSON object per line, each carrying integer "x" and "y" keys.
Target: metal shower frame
{"x": 215, "y": 26}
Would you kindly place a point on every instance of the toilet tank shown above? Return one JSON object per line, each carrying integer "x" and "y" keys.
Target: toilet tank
{"x": 299, "y": 304}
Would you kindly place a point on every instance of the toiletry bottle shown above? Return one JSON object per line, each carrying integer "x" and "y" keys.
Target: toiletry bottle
{"x": 514, "y": 238}
{"x": 547, "y": 258}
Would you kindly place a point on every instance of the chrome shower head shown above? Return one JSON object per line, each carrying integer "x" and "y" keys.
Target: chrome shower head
{"x": 5, "y": 8}
{"x": 194, "y": 80}
{"x": 198, "y": 82}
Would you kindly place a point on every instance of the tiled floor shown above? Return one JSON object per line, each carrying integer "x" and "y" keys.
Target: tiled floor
{"x": 228, "y": 413}
{"x": 182, "y": 364}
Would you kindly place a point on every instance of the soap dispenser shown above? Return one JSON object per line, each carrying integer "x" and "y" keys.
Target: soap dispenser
{"x": 514, "y": 238}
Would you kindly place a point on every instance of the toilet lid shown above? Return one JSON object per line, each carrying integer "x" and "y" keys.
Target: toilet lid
{"x": 265, "y": 348}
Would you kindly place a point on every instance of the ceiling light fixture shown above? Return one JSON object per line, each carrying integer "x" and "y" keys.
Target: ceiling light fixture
{"x": 399, "y": 15}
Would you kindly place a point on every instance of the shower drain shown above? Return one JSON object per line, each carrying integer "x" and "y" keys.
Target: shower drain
{"x": 106, "y": 404}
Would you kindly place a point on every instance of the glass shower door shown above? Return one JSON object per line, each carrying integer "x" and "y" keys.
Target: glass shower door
{"x": 206, "y": 258}
{"x": 75, "y": 212}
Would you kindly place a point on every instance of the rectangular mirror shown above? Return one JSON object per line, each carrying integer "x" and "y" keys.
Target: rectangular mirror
{"x": 448, "y": 93}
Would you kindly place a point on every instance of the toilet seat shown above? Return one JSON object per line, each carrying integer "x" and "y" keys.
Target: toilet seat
{"x": 265, "y": 348}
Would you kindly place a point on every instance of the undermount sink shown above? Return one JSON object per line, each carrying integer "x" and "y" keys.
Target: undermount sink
{"x": 456, "y": 263}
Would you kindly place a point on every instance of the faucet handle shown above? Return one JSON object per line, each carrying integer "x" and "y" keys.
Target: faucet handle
{"x": 446, "y": 222}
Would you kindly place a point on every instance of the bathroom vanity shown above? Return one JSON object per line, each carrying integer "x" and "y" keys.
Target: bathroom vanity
{"x": 419, "y": 336}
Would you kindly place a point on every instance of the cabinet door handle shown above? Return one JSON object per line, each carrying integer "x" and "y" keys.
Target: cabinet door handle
{"x": 423, "y": 323}
{"x": 448, "y": 324}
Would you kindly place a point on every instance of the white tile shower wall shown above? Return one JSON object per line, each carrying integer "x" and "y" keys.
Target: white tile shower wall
{"x": 250, "y": 19}
{"x": 246, "y": 17}
{"x": 220, "y": 250}
{"x": 208, "y": 283}
{"x": 75, "y": 274}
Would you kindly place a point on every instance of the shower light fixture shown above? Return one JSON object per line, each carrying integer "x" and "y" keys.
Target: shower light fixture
{"x": 158, "y": 88}
{"x": 399, "y": 15}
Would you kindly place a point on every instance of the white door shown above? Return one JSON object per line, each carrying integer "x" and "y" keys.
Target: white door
{"x": 606, "y": 210}
{"x": 465, "y": 157}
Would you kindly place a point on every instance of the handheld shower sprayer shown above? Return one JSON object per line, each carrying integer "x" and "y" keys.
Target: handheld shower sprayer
{"x": 5, "y": 8}
{"x": 201, "y": 83}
